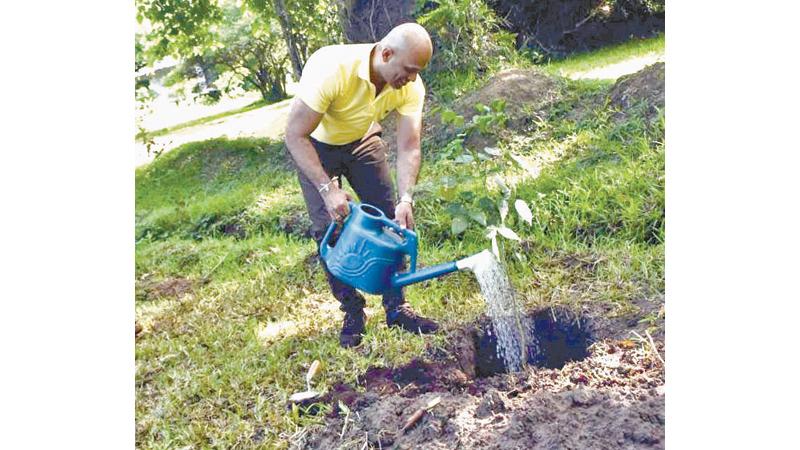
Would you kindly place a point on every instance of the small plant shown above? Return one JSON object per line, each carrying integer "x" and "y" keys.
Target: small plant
{"x": 489, "y": 118}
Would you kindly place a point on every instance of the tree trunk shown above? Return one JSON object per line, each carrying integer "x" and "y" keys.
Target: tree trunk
{"x": 288, "y": 36}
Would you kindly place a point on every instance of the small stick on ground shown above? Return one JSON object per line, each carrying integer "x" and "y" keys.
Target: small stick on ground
{"x": 412, "y": 420}
{"x": 418, "y": 415}
{"x": 652, "y": 344}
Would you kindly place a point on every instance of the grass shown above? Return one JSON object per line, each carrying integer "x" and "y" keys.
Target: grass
{"x": 216, "y": 363}
{"x": 203, "y": 120}
{"x": 583, "y": 62}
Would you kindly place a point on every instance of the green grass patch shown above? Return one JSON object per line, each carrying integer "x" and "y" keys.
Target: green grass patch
{"x": 215, "y": 187}
{"x": 234, "y": 306}
{"x": 582, "y": 62}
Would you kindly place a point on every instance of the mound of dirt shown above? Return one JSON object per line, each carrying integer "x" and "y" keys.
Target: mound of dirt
{"x": 524, "y": 90}
{"x": 611, "y": 398}
{"x": 646, "y": 85}
{"x": 526, "y": 93}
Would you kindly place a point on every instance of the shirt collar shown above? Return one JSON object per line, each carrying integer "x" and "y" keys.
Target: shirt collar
{"x": 363, "y": 69}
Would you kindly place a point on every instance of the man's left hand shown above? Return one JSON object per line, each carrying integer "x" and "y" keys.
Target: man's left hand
{"x": 404, "y": 215}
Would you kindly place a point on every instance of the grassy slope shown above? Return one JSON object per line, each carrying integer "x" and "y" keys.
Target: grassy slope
{"x": 208, "y": 372}
{"x": 204, "y": 120}
{"x": 607, "y": 56}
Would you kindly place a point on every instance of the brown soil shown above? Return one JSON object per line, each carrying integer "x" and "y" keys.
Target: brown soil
{"x": 646, "y": 85}
{"x": 171, "y": 287}
{"x": 527, "y": 92}
{"x": 524, "y": 90}
{"x": 613, "y": 398}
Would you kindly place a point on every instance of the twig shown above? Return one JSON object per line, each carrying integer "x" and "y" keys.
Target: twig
{"x": 418, "y": 415}
{"x": 344, "y": 426}
{"x": 579, "y": 24}
{"x": 654, "y": 347}
{"x": 205, "y": 277}
{"x": 652, "y": 344}
{"x": 371, "y": 12}
{"x": 412, "y": 420}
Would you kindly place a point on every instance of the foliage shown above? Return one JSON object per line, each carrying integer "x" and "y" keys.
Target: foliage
{"x": 307, "y": 25}
{"x": 179, "y": 27}
{"x": 251, "y": 47}
{"x": 466, "y": 35}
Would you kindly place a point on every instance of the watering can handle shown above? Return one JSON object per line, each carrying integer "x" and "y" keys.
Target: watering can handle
{"x": 323, "y": 245}
{"x": 410, "y": 246}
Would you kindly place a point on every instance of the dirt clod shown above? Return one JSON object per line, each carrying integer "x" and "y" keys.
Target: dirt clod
{"x": 612, "y": 398}
{"x": 490, "y": 404}
{"x": 171, "y": 287}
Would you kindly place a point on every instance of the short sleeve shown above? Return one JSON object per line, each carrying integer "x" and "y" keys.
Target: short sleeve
{"x": 413, "y": 99}
{"x": 318, "y": 84}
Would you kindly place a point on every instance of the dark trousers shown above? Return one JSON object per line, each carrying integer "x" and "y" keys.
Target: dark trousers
{"x": 364, "y": 165}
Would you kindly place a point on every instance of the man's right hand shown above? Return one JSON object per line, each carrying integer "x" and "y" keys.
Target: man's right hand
{"x": 336, "y": 201}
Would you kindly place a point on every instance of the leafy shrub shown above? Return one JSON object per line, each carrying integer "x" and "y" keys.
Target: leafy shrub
{"x": 466, "y": 36}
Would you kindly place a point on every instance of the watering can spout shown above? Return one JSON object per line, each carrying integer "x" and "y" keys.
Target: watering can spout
{"x": 404, "y": 279}
{"x": 470, "y": 263}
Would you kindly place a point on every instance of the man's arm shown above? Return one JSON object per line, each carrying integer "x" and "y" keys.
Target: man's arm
{"x": 409, "y": 158}
{"x": 302, "y": 122}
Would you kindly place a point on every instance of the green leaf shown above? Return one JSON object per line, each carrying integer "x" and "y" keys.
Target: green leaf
{"x": 508, "y": 233}
{"x": 448, "y": 116}
{"x": 478, "y": 216}
{"x": 498, "y": 105}
{"x": 524, "y": 211}
{"x": 456, "y": 209}
{"x": 459, "y": 225}
{"x": 486, "y": 204}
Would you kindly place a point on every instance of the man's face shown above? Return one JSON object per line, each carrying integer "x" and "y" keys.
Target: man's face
{"x": 402, "y": 67}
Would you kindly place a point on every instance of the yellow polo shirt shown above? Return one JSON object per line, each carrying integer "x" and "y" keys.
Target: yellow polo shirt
{"x": 335, "y": 83}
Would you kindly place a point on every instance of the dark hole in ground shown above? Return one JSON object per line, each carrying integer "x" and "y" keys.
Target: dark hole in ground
{"x": 468, "y": 362}
{"x": 556, "y": 336}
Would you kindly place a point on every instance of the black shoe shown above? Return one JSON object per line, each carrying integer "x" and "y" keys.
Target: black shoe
{"x": 353, "y": 328}
{"x": 404, "y": 317}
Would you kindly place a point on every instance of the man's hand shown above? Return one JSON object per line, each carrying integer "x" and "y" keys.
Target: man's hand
{"x": 404, "y": 215}
{"x": 336, "y": 201}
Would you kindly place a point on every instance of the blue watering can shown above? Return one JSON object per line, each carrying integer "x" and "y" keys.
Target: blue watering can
{"x": 371, "y": 247}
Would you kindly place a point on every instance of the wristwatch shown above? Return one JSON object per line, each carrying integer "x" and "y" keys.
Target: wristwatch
{"x": 407, "y": 198}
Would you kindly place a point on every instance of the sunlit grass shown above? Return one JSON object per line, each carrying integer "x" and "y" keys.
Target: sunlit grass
{"x": 216, "y": 364}
{"x": 583, "y": 62}
{"x": 204, "y": 120}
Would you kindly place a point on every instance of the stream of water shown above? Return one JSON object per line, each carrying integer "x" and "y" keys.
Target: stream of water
{"x": 514, "y": 336}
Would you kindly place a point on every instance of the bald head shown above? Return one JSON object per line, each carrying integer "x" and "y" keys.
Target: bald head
{"x": 411, "y": 39}
{"x": 402, "y": 54}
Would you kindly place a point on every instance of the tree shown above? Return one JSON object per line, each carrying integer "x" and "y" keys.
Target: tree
{"x": 217, "y": 37}
{"x": 306, "y": 26}
{"x": 253, "y": 50}
{"x": 178, "y": 27}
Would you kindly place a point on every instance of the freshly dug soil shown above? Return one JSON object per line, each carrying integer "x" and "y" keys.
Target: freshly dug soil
{"x": 611, "y": 398}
